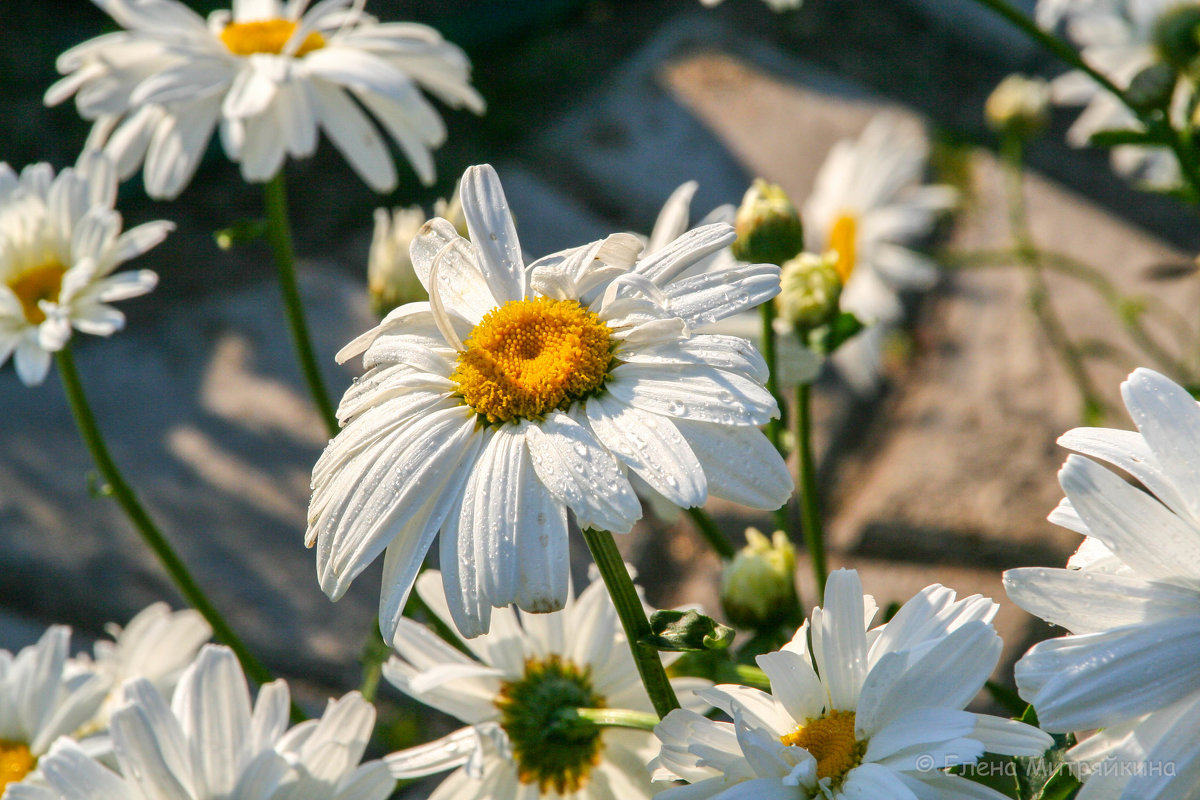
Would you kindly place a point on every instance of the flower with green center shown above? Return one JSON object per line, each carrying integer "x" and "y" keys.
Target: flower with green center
{"x": 855, "y": 712}
{"x": 520, "y": 392}
{"x": 271, "y": 75}
{"x": 758, "y": 587}
{"x": 533, "y": 671}
{"x": 60, "y": 244}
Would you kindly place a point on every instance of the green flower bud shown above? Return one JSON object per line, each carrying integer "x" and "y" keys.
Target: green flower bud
{"x": 809, "y": 288}
{"x": 758, "y": 588}
{"x": 391, "y": 281}
{"x": 769, "y": 230}
{"x": 1175, "y": 36}
{"x": 1019, "y": 106}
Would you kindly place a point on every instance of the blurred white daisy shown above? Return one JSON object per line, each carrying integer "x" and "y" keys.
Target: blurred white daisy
{"x": 157, "y": 644}
{"x": 1130, "y": 598}
{"x": 518, "y": 392}
{"x": 60, "y": 241}
{"x": 1117, "y": 38}
{"x": 40, "y": 701}
{"x": 530, "y": 668}
{"x": 270, "y": 74}
{"x": 868, "y": 205}
{"x": 862, "y": 713}
{"x": 210, "y": 743}
{"x": 776, "y": 5}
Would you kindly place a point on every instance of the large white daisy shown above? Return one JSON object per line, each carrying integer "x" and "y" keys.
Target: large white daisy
{"x": 518, "y": 392}
{"x": 271, "y": 74}
{"x": 1117, "y": 39}
{"x": 211, "y": 743}
{"x": 869, "y": 205}
{"x": 41, "y": 700}
{"x": 860, "y": 713}
{"x": 1130, "y": 598}
{"x": 530, "y": 668}
{"x": 60, "y": 242}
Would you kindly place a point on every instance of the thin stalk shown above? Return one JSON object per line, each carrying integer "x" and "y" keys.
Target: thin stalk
{"x": 123, "y": 493}
{"x": 375, "y": 652}
{"x": 1094, "y": 406}
{"x": 279, "y": 234}
{"x": 633, "y": 619}
{"x": 775, "y": 427}
{"x": 712, "y": 534}
{"x": 810, "y": 508}
{"x": 752, "y": 676}
{"x": 619, "y": 718}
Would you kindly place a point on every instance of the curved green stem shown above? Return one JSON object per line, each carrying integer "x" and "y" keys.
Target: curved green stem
{"x": 810, "y": 507}
{"x": 775, "y": 427}
{"x": 279, "y": 234}
{"x": 121, "y": 491}
{"x": 619, "y": 718}
{"x": 633, "y": 619}
{"x": 712, "y": 534}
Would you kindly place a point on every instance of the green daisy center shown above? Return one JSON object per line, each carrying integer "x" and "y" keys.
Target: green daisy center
{"x": 549, "y": 753}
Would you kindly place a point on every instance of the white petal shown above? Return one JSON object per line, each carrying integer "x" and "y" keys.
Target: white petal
{"x": 794, "y": 683}
{"x": 449, "y": 752}
{"x": 493, "y": 233}
{"x": 1169, "y": 419}
{"x": 664, "y": 265}
{"x": 1089, "y": 602}
{"x": 699, "y": 393}
{"x": 740, "y": 463}
{"x": 212, "y": 703}
{"x": 713, "y": 296}
{"x": 353, "y": 133}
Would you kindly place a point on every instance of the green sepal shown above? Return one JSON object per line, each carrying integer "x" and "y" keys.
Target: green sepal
{"x": 687, "y": 631}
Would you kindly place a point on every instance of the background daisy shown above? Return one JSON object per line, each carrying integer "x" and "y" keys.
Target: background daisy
{"x": 269, "y": 75}
{"x": 1130, "y": 598}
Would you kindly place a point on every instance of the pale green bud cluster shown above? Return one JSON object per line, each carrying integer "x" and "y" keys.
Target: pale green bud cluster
{"x": 1019, "y": 105}
{"x": 768, "y": 227}
{"x": 809, "y": 289}
{"x": 758, "y": 588}
{"x": 391, "y": 281}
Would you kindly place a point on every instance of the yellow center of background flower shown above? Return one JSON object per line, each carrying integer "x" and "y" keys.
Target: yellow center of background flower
{"x": 830, "y": 740}
{"x": 842, "y": 240}
{"x": 15, "y": 762}
{"x": 267, "y": 36}
{"x": 529, "y": 357}
{"x": 37, "y": 284}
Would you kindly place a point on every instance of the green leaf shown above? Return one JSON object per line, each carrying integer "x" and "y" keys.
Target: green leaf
{"x": 995, "y": 772}
{"x": 684, "y": 631}
{"x": 1114, "y": 137}
{"x": 1063, "y": 785}
{"x": 1007, "y": 697}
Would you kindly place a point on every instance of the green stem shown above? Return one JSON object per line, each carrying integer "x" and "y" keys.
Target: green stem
{"x": 619, "y": 718}
{"x": 753, "y": 676}
{"x": 633, "y": 619}
{"x": 775, "y": 427}
{"x": 279, "y": 234}
{"x": 375, "y": 652}
{"x": 810, "y": 508}
{"x": 123, "y": 493}
{"x": 712, "y": 534}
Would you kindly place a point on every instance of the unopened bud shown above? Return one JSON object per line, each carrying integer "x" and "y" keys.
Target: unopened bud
{"x": 1019, "y": 105}
{"x": 768, "y": 228}
{"x": 758, "y": 588}
{"x": 809, "y": 288}
{"x": 391, "y": 280}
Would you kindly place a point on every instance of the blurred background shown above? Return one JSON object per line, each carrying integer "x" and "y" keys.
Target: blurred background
{"x": 597, "y": 110}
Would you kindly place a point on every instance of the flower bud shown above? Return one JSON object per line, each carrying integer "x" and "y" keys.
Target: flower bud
{"x": 1175, "y": 36}
{"x": 452, "y": 211}
{"x": 391, "y": 281}
{"x": 809, "y": 288}
{"x": 758, "y": 588}
{"x": 1019, "y": 106}
{"x": 768, "y": 228}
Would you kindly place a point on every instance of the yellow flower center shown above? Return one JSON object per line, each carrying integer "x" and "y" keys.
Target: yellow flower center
{"x": 15, "y": 762}
{"x": 842, "y": 238}
{"x": 267, "y": 36}
{"x": 830, "y": 740}
{"x": 529, "y": 357}
{"x": 37, "y": 284}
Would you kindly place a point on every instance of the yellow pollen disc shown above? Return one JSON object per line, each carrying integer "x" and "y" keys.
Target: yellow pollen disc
{"x": 830, "y": 740}
{"x": 842, "y": 238}
{"x": 529, "y": 357}
{"x": 267, "y": 36}
{"x": 37, "y": 284}
{"x": 15, "y": 762}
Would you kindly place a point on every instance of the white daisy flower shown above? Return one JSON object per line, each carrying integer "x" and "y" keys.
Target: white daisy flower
{"x": 518, "y": 392}
{"x": 40, "y": 701}
{"x": 530, "y": 667}
{"x": 60, "y": 241}
{"x": 862, "y": 713}
{"x": 1116, "y": 38}
{"x": 157, "y": 644}
{"x": 210, "y": 743}
{"x": 271, "y": 74}
{"x": 868, "y": 205}
{"x": 1130, "y": 598}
